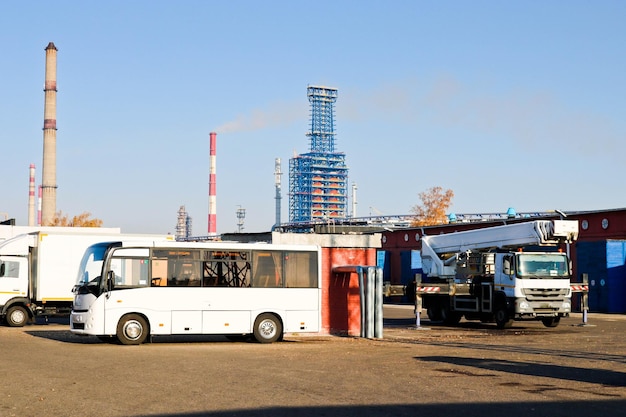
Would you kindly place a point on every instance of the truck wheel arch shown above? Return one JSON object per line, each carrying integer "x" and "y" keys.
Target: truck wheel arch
{"x": 17, "y": 315}
{"x": 17, "y": 306}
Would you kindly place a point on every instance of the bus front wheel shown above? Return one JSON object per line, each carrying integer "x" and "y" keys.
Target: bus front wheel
{"x": 267, "y": 328}
{"x": 132, "y": 330}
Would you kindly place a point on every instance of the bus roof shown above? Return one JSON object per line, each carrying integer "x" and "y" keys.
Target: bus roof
{"x": 220, "y": 245}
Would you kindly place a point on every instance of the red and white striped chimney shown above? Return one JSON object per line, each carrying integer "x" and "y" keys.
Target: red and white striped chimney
{"x": 212, "y": 186}
{"x": 31, "y": 195}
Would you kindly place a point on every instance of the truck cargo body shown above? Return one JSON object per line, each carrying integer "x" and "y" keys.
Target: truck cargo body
{"x": 38, "y": 271}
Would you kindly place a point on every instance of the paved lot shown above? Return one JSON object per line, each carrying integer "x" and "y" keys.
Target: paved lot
{"x": 470, "y": 370}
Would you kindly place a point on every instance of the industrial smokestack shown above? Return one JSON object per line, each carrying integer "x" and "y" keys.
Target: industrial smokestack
{"x": 212, "y": 186}
{"x": 277, "y": 180}
{"x": 49, "y": 169}
{"x": 39, "y": 206}
{"x": 354, "y": 202}
{"x": 31, "y": 195}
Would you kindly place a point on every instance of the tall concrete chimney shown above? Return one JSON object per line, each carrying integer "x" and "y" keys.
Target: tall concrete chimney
{"x": 39, "y": 206}
{"x": 212, "y": 186}
{"x": 31, "y": 195}
{"x": 49, "y": 168}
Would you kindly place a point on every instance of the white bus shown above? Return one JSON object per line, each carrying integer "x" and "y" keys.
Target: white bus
{"x": 128, "y": 292}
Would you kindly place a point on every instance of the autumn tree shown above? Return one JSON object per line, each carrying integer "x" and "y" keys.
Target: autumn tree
{"x": 82, "y": 220}
{"x": 435, "y": 204}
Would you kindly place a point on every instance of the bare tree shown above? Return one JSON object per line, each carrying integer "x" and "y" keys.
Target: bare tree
{"x": 432, "y": 211}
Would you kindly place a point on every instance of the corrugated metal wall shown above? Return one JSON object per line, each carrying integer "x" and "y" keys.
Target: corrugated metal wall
{"x": 604, "y": 262}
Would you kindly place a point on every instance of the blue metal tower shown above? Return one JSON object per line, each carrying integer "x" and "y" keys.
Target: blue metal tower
{"x": 318, "y": 180}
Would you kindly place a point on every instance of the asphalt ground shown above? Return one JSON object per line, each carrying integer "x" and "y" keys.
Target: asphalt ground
{"x": 473, "y": 369}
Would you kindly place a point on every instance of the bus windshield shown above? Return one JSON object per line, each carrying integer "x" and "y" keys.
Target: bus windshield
{"x": 91, "y": 264}
{"x": 542, "y": 265}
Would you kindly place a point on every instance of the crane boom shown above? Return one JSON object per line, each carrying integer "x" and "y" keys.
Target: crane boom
{"x": 538, "y": 232}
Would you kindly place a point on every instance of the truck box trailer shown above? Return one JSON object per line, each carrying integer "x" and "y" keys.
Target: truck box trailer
{"x": 38, "y": 271}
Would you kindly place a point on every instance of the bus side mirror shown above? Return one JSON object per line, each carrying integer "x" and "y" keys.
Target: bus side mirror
{"x": 2, "y": 269}
{"x": 110, "y": 280}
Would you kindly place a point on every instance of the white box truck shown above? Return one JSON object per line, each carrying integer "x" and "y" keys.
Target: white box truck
{"x": 39, "y": 270}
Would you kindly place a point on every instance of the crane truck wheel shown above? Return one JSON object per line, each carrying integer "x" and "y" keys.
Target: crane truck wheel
{"x": 551, "y": 321}
{"x": 17, "y": 316}
{"x": 441, "y": 313}
{"x": 452, "y": 318}
{"x": 434, "y": 314}
{"x": 503, "y": 320}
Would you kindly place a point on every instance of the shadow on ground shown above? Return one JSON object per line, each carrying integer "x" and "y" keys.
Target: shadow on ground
{"x": 512, "y": 409}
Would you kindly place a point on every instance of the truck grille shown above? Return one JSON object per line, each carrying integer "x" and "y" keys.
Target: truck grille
{"x": 544, "y": 294}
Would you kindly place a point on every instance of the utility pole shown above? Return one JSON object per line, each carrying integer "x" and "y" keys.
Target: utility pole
{"x": 241, "y": 215}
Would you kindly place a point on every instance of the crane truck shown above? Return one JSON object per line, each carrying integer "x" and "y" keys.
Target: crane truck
{"x": 38, "y": 271}
{"x": 485, "y": 274}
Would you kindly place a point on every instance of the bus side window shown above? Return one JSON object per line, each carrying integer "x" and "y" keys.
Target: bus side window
{"x": 194, "y": 280}
{"x": 210, "y": 273}
{"x": 267, "y": 270}
{"x": 300, "y": 269}
{"x": 159, "y": 273}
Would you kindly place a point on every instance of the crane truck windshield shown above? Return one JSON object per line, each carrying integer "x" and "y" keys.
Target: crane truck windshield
{"x": 542, "y": 265}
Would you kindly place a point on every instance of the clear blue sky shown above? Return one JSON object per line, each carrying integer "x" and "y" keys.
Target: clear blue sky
{"x": 509, "y": 104}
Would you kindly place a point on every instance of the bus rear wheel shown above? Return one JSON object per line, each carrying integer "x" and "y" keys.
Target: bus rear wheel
{"x": 267, "y": 328}
{"x": 132, "y": 330}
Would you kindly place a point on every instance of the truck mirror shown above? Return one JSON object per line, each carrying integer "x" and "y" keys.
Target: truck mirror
{"x": 506, "y": 266}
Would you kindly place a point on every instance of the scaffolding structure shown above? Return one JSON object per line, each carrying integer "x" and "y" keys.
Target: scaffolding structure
{"x": 183, "y": 224}
{"x": 318, "y": 180}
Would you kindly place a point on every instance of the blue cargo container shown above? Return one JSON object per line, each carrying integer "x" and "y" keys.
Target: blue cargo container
{"x": 605, "y": 264}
